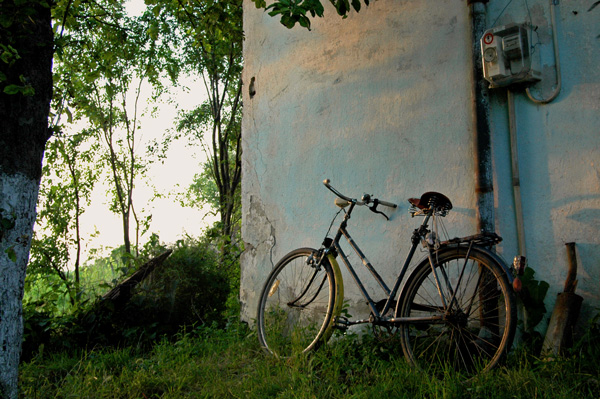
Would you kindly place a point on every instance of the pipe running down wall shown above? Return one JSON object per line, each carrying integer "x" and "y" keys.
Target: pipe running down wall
{"x": 484, "y": 187}
{"x": 516, "y": 183}
{"x": 481, "y": 122}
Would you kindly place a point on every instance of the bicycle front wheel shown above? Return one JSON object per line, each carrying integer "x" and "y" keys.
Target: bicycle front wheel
{"x": 466, "y": 313}
{"x": 296, "y": 305}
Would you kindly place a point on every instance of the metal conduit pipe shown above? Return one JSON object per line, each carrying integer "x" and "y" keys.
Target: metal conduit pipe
{"x": 553, "y": 4}
{"x": 516, "y": 183}
{"x": 512, "y": 125}
{"x": 484, "y": 188}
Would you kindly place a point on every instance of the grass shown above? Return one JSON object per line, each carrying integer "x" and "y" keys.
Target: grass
{"x": 228, "y": 363}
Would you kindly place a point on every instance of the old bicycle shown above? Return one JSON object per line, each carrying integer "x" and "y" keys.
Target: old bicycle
{"x": 457, "y": 308}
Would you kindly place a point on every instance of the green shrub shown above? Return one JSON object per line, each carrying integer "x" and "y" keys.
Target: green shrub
{"x": 189, "y": 288}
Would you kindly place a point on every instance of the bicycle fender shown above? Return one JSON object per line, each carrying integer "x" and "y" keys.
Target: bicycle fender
{"x": 495, "y": 257}
{"x": 501, "y": 262}
{"x": 339, "y": 294}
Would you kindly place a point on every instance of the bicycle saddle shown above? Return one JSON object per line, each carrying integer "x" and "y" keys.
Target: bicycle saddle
{"x": 438, "y": 201}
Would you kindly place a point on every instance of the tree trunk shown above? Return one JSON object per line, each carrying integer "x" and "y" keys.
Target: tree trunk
{"x": 18, "y": 195}
{"x": 23, "y": 135}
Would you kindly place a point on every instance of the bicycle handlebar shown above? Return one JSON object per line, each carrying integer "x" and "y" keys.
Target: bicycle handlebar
{"x": 368, "y": 200}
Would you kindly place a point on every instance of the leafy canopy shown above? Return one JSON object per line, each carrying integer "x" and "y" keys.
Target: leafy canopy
{"x": 295, "y": 11}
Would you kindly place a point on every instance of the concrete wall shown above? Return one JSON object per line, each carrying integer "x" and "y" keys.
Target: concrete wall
{"x": 381, "y": 103}
{"x": 559, "y": 149}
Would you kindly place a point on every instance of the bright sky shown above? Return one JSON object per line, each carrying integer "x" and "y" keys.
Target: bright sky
{"x": 169, "y": 220}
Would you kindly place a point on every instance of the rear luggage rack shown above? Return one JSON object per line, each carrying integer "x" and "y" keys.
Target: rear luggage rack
{"x": 483, "y": 239}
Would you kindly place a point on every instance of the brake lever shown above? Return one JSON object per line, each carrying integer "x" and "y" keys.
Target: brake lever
{"x": 374, "y": 209}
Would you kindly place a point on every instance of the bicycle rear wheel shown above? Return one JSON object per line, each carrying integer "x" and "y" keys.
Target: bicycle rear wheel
{"x": 476, "y": 312}
{"x": 296, "y": 305}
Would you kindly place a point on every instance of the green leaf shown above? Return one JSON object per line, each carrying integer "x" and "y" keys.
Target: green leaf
{"x": 347, "y": 6}
{"x": 28, "y": 91}
{"x": 288, "y": 21}
{"x": 314, "y": 6}
{"x": 12, "y": 255}
{"x": 12, "y": 89}
{"x": 69, "y": 115}
{"x": 340, "y": 7}
{"x": 6, "y": 224}
{"x": 6, "y": 21}
{"x": 304, "y": 22}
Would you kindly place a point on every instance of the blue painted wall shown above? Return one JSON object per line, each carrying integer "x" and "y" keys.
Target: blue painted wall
{"x": 381, "y": 103}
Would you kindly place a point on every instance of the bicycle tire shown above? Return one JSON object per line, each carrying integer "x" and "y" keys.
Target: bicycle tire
{"x": 478, "y": 327}
{"x": 296, "y": 305}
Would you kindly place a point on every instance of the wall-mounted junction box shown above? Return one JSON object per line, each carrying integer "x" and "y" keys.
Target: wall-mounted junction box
{"x": 508, "y": 57}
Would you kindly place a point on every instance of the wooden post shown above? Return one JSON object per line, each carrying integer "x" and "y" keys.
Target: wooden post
{"x": 559, "y": 335}
{"x": 120, "y": 294}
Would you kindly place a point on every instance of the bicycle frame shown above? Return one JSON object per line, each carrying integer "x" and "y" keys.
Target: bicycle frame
{"x": 454, "y": 310}
{"x": 377, "y": 318}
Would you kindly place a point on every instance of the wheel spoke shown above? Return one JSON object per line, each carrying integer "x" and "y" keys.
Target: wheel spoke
{"x": 295, "y": 306}
{"x": 479, "y": 321}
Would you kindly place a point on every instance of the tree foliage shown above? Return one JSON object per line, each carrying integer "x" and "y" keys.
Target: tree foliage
{"x": 101, "y": 56}
{"x": 104, "y": 60}
{"x": 296, "y": 11}
{"x": 69, "y": 178}
{"x": 211, "y": 33}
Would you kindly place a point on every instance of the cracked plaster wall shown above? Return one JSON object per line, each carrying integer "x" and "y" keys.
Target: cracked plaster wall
{"x": 381, "y": 103}
{"x": 358, "y": 101}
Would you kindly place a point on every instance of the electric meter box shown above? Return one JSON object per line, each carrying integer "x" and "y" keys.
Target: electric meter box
{"x": 508, "y": 56}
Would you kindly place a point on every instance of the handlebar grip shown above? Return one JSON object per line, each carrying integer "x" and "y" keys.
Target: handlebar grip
{"x": 327, "y": 184}
{"x": 385, "y": 203}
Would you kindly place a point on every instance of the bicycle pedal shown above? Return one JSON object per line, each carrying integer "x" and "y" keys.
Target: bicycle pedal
{"x": 342, "y": 323}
